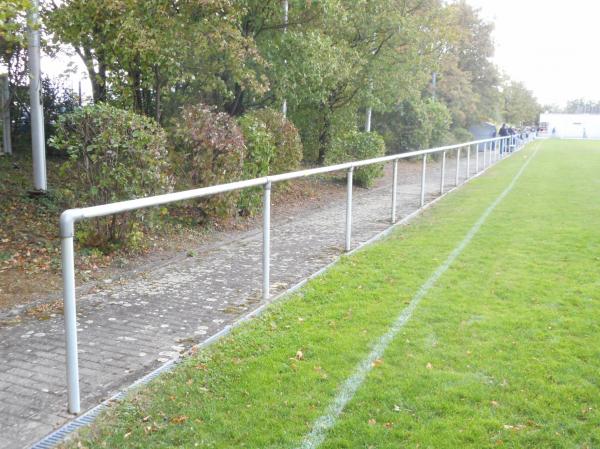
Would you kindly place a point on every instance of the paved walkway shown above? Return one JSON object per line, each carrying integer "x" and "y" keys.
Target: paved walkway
{"x": 132, "y": 327}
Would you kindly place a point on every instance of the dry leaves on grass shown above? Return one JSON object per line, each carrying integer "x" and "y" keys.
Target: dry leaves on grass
{"x": 377, "y": 363}
{"x": 179, "y": 419}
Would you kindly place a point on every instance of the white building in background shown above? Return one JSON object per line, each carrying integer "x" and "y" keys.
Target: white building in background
{"x": 570, "y": 126}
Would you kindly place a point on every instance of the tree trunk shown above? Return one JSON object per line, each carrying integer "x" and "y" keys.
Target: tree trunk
{"x": 136, "y": 90}
{"x": 325, "y": 134}
{"x": 97, "y": 78}
{"x": 236, "y": 107}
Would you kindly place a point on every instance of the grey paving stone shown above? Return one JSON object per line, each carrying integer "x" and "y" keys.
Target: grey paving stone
{"x": 139, "y": 323}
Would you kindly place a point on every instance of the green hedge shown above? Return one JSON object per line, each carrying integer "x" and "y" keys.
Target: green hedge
{"x": 114, "y": 155}
{"x": 356, "y": 146}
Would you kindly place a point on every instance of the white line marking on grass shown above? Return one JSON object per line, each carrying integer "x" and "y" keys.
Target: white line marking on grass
{"x": 322, "y": 425}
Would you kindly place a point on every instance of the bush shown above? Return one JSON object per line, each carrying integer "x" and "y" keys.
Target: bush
{"x": 319, "y": 127}
{"x": 462, "y": 135}
{"x": 414, "y": 124}
{"x": 260, "y": 153}
{"x": 288, "y": 146}
{"x": 114, "y": 155}
{"x": 356, "y": 146}
{"x": 212, "y": 147}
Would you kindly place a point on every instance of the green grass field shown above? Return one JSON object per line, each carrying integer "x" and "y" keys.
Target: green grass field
{"x": 503, "y": 351}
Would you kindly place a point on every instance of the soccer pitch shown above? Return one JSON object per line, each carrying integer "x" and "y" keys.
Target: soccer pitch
{"x": 477, "y": 325}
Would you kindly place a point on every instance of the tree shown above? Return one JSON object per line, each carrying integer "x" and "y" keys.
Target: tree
{"x": 134, "y": 54}
{"x": 469, "y": 82}
{"x": 13, "y": 21}
{"x": 520, "y": 106}
{"x": 582, "y": 106}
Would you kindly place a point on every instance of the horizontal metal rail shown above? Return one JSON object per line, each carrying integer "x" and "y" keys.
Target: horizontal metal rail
{"x": 496, "y": 148}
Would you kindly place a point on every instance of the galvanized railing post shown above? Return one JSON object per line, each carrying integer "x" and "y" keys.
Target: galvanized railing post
{"x": 423, "y": 179}
{"x": 485, "y": 150}
{"x": 348, "y": 245}
{"x": 442, "y": 180}
{"x": 457, "y": 167}
{"x": 266, "y": 240}
{"x": 477, "y": 159}
{"x": 394, "y": 190}
{"x": 70, "y": 314}
{"x": 468, "y": 161}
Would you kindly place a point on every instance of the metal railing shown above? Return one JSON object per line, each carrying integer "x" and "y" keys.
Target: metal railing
{"x": 493, "y": 150}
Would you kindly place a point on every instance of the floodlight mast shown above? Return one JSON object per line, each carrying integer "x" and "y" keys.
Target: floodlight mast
{"x": 286, "y": 8}
{"x": 38, "y": 142}
{"x": 370, "y": 108}
{"x": 5, "y": 112}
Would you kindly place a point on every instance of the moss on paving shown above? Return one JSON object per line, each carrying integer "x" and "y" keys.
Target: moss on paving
{"x": 503, "y": 352}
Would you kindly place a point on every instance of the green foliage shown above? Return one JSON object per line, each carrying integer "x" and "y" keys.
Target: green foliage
{"x": 13, "y": 20}
{"x": 520, "y": 106}
{"x": 134, "y": 54}
{"x": 211, "y": 149}
{"x": 356, "y": 146}
{"x": 469, "y": 82}
{"x": 286, "y": 138}
{"x": 260, "y": 153}
{"x": 462, "y": 135}
{"x": 334, "y": 60}
{"x": 415, "y": 125}
{"x": 114, "y": 155}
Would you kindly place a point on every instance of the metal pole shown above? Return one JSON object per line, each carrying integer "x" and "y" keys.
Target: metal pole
{"x": 497, "y": 145}
{"x": 285, "y": 27}
{"x": 38, "y": 142}
{"x": 457, "y": 166}
{"x": 468, "y": 161}
{"x": 423, "y": 180}
{"x": 348, "y": 245}
{"x": 394, "y": 191}
{"x": 266, "y": 240}
{"x": 368, "y": 121}
{"x": 443, "y": 173}
{"x": 484, "y": 159}
{"x": 5, "y": 108}
{"x": 70, "y": 313}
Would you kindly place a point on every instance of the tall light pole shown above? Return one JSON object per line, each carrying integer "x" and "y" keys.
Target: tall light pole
{"x": 285, "y": 27}
{"x": 38, "y": 142}
{"x": 370, "y": 108}
{"x": 5, "y": 110}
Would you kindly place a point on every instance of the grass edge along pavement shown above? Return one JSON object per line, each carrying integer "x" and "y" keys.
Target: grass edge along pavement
{"x": 271, "y": 379}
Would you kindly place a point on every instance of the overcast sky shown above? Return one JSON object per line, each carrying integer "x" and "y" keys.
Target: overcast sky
{"x": 552, "y": 46}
